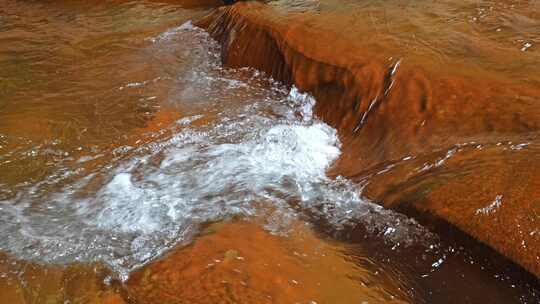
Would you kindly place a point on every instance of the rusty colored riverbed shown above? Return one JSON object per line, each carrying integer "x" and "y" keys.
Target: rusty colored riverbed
{"x": 136, "y": 168}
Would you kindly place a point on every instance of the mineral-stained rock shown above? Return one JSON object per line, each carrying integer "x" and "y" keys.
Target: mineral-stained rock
{"x": 25, "y": 282}
{"x": 241, "y": 263}
{"x": 458, "y": 143}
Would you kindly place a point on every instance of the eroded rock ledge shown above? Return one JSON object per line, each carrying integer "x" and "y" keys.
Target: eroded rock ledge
{"x": 456, "y": 145}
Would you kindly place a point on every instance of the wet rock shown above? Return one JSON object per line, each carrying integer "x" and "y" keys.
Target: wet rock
{"x": 436, "y": 141}
{"x": 270, "y": 273}
{"x": 26, "y": 282}
{"x": 111, "y": 298}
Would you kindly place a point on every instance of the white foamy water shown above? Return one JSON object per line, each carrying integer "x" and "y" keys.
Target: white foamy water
{"x": 264, "y": 149}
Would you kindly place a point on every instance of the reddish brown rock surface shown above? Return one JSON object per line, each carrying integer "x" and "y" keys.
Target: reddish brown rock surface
{"x": 454, "y": 137}
{"x": 242, "y": 263}
{"x": 25, "y": 282}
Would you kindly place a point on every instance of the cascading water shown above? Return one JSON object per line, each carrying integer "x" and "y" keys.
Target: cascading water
{"x": 264, "y": 151}
{"x": 136, "y": 167}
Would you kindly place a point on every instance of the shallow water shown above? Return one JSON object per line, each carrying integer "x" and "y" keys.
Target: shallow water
{"x": 122, "y": 138}
{"x": 494, "y": 39}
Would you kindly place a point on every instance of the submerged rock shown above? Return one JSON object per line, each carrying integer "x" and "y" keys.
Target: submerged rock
{"x": 264, "y": 268}
{"x": 453, "y": 137}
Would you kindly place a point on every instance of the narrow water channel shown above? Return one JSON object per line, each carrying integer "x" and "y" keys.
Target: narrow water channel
{"x": 136, "y": 168}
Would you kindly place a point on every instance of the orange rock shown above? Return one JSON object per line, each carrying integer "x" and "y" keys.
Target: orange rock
{"x": 111, "y": 298}
{"x": 240, "y": 262}
{"x": 387, "y": 110}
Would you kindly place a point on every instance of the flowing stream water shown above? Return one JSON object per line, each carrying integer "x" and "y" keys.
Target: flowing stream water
{"x": 123, "y": 138}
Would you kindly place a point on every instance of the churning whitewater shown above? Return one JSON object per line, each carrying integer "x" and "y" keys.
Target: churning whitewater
{"x": 259, "y": 151}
